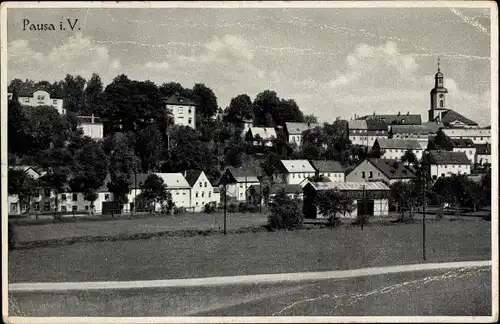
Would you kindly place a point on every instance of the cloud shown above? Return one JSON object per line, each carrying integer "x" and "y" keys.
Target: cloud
{"x": 158, "y": 65}
{"x": 79, "y": 55}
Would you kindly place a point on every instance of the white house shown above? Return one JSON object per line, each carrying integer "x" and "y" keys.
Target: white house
{"x": 483, "y": 154}
{"x": 371, "y": 197}
{"x": 238, "y": 180}
{"x": 183, "y": 110}
{"x": 294, "y": 131}
{"x": 202, "y": 191}
{"x": 91, "y": 126}
{"x": 293, "y": 171}
{"x": 466, "y": 146}
{"x": 381, "y": 170}
{"x": 35, "y": 97}
{"x": 394, "y": 149}
{"x": 476, "y": 135}
{"x": 264, "y": 134}
{"x": 446, "y": 163}
{"x": 330, "y": 169}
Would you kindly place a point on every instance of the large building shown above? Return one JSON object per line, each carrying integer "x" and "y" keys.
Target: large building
{"x": 35, "y": 97}
{"x": 183, "y": 110}
{"x": 329, "y": 169}
{"x": 439, "y": 110}
{"x": 398, "y": 119}
{"x": 391, "y": 148}
{"x": 365, "y": 132}
{"x": 476, "y": 135}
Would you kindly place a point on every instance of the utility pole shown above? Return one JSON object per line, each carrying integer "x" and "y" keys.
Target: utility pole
{"x": 424, "y": 182}
{"x": 225, "y": 207}
{"x": 364, "y": 207}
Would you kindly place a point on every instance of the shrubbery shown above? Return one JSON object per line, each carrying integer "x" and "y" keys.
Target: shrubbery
{"x": 210, "y": 208}
{"x": 285, "y": 213}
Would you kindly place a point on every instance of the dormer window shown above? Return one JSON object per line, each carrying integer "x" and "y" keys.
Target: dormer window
{"x": 41, "y": 97}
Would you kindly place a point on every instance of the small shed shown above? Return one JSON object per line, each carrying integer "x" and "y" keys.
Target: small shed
{"x": 370, "y": 198}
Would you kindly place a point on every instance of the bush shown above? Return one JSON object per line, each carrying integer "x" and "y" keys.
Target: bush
{"x": 179, "y": 210}
{"x": 285, "y": 213}
{"x": 232, "y": 208}
{"x": 209, "y": 208}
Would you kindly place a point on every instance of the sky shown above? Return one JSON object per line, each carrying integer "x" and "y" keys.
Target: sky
{"x": 334, "y": 62}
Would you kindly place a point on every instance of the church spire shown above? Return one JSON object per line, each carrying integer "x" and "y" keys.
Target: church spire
{"x": 439, "y": 70}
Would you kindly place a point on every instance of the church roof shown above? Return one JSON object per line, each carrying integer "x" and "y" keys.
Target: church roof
{"x": 451, "y": 116}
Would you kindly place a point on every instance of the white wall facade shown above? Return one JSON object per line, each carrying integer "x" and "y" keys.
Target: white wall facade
{"x": 477, "y": 135}
{"x": 449, "y": 169}
{"x": 293, "y": 177}
{"x": 397, "y": 154}
{"x": 202, "y": 193}
{"x": 42, "y": 98}
{"x": 483, "y": 159}
{"x": 334, "y": 176}
{"x": 95, "y": 131}
{"x": 183, "y": 115}
{"x": 380, "y": 209}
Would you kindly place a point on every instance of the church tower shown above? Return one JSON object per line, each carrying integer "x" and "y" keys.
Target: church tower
{"x": 438, "y": 97}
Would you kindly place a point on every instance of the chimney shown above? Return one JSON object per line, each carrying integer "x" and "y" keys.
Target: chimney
{"x": 407, "y": 113}
{"x": 399, "y": 113}
{"x": 92, "y": 118}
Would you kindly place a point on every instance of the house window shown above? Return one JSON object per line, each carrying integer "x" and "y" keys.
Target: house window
{"x": 184, "y": 193}
{"x": 26, "y": 100}
{"x": 54, "y": 102}
{"x": 46, "y": 206}
{"x": 201, "y": 185}
{"x": 205, "y": 184}
{"x": 197, "y": 194}
{"x": 37, "y": 206}
{"x": 209, "y": 194}
{"x": 63, "y": 197}
{"x": 293, "y": 175}
{"x": 106, "y": 196}
{"x": 190, "y": 120}
{"x": 441, "y": 104}
{"x": 202, "y": 194}
{"x": 371, "y": 174}
{"x": 41, "y": 97}
{"x": 74, "y": 208}
{"x": 13, "y": 207}
{"x": 75, "y": 197}
{"x": 63, "y": 208}
{"x": 176, "y": 193}
{"x": 363, "y": 174}
{"x": 189, "y": 110}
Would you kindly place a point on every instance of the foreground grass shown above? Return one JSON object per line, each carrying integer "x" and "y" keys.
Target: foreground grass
{"x": 252, "y": 253}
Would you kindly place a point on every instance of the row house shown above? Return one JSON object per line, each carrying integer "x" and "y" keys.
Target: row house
{"x": 293, "y": 171}
{"x": 466, "y": 146}
{"x": 446, "y": 163}
{"x": 294, "y": 131}
{"x": 261, "y": 135}
{"x": 381, "y": 170}
{"x": 183, "y": 110}
{"x": 370, "y": 198}
{"x": 476, "y": 135}
{"x": 330, "y": 169}
{"x": 238, "y": 180}
{"x": 365, "y": 132}
{"x": 35, "y": 97}
{"x": 91, "y": 126}
{"x": 394, "y": 149}
{"x": 483, "y": 154}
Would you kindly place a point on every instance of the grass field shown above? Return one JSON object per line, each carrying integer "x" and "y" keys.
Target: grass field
{"x": 253, "y": 253}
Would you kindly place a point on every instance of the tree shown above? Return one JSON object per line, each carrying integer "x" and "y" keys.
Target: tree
{"x": 329, "y": 205}
{"x": 270, "y": 163}
{"x": 409, "y": 158}
{"x": 347, "y": 206}
{"x": 21, "y": 184}
{"x": 285, "y": 212}
{"x": 263, "y": 106}
{"x": 310, "y": 119}
{"x": 150, "y": 147}
{"x": 440, "y": 142}
{"x": 92, "y": 95}
{"x": 239, "y": 109}
{"x": 154, "y": 190}
{"x": 313, "y": 142}
{"x": 406, "y": 196}
{"x": 73, "y": 93}
{"x": 206, "y": 99}
{"x": 90, "y": 171}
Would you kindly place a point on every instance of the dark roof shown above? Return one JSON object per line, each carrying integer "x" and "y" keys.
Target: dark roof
{"x": 376, "y": 125}
{"x": 179, "y": 100}
{"x": 27, "y": 91}
{"x": 277, "y": 187}
{"x": 327, "y": 166}
{"x": 191, "y": 176}
{"x": 451, "y": 116}
{"x": 448, "y": 157}
{"x": 483, "y": 148}
{"x": 401, "y": 119}
{"x": 393, "y": 169}
{"x": 462, "y": 143}
{"x": 141, "y": 177}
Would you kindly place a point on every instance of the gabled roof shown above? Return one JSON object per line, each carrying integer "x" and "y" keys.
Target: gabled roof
{"x": 294, "y": 166}
{"x": 27, "y": 91}
{"x": 448, "y": 157}
{"x": 277, "y": 187}
{"x": 405, "y": 119}
{"x": 241, "y": 175}
{"x": 483, "y": 148}
{"x": 451, "y": 116}
{"x": 393, "y": 169}
{"x": 192, "y": 176}
{"x": 350, "y": 186}
{"x": 137, "y": 180}
{"x": 373, "y": 124}
{"x": 394, "y": 143}
{"x": 265, "y": 133}
{"x": 174, "y": 180}
{"x": 299, "y": 128}
{"x": 26, "y": 168}
{"x": 433, "y": 126}
{"x": 357, "y": 124}
{"x": 327, "y": 166}
{"x": 462, "y": 143}
{"x": 179, "y": 100}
